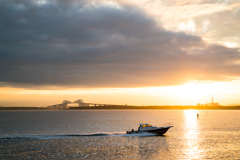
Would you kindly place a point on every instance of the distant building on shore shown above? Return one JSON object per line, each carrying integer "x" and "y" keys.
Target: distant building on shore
{"x": 212, "y": 103}
{"x": 200, "y": 105}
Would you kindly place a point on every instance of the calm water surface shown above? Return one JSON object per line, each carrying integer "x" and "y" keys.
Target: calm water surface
{"x": 101, "y": 134}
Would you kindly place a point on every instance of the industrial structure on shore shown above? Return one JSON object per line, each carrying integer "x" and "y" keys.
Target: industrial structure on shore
{"x": 210, "y": 104}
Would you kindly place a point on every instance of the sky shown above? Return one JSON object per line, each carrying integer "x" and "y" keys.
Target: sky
{"x": 148, "y": 52}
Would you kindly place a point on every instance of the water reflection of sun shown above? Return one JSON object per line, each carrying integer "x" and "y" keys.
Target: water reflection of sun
{"x": 191, "y": 139}
{"x": 190, "y": 115}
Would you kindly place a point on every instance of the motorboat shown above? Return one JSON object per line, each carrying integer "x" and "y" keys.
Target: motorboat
{"x": 146, "y": 127}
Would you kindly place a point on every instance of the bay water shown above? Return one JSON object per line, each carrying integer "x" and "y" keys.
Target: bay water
{"x": 101, "y": 134}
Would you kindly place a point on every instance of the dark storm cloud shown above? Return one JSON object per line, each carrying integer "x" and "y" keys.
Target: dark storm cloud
{"x": 81, "y": 44}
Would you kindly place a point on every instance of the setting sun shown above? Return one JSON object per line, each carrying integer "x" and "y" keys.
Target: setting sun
{"x": 186, "y": 94}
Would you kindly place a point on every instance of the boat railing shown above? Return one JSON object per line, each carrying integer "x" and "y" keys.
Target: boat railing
{"x": 167, "y": 124}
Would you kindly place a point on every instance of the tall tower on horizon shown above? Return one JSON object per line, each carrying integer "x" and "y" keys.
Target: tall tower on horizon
{"x": 212, "y": 103}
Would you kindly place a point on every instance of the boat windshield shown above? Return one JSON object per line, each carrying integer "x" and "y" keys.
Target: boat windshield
{"x": 146, "y": 125}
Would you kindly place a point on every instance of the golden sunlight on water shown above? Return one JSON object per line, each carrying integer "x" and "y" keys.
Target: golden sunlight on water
{"x": 191, "y": 138}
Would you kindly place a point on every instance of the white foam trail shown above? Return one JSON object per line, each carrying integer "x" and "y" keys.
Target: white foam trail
{"x": 59, "y": 136}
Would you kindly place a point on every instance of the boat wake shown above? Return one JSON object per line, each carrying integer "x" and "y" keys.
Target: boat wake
{"x": 59, "y": 136}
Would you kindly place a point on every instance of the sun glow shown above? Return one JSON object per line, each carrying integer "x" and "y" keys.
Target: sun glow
{"x": 186, "y": 94}
{"x": 196, "y": 92}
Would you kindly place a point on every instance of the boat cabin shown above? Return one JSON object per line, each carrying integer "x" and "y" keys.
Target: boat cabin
{"x": 145, "y": 127}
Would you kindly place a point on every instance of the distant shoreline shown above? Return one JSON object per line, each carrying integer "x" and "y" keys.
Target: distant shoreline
{"x": 21, "y": 108}
{"x": 130, "y": 108}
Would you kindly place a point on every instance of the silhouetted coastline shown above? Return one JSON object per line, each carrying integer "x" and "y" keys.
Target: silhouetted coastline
{"x": 160, "y": 107}
{"x": 22, "y": 108}
{"x": 130, "y": 107}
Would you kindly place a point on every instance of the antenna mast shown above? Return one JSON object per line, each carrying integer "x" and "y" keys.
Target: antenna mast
{"x": 212, "y": 98}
